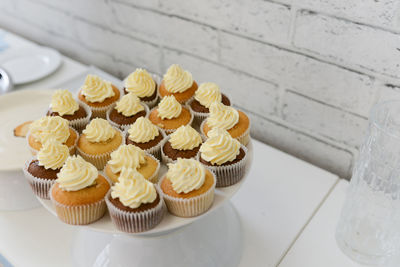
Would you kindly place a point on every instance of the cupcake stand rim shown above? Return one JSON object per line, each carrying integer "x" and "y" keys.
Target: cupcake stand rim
{"x": 170, "y": 223}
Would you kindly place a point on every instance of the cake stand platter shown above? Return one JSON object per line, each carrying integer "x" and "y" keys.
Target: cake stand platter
{"x": 211, "y": 239}
{"x": 16, "y": 108}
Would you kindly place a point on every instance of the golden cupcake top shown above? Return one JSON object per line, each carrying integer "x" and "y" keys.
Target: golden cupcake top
{"x": 49, "y": 127}
{"x": 186, "y": 175}
{"x": 143, "y": 131}
{"x": 95, "y": 89}
{"x": 177, "y": 80}
{"x": 129, "y": 105}
{"x": 126, "y": 156}
{"x": 220, "y": 147}
{"x": 185, "y": 138}
{"x": 207, "y": 93}
{"x": 221, "y": 116}
{"x": 53, "y": 154}
{"x": 99, "y": 130}
{"x": 76, "y": 174}
{"x": 169, "y": 108}
{"x": 63, "y": 102}
{"x": 140, "y": 83}
{"x": 133, "y": 190}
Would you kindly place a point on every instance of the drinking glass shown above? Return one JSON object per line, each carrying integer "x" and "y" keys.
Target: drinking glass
{"x": 368, "y": 230}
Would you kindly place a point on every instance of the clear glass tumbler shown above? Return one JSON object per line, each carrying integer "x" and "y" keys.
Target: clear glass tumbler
{"x": 369, "y": 227}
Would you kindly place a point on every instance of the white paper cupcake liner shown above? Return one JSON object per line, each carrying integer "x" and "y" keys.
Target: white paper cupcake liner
{"x": 80, "y": 124}
{"x": 100, "y": 160}
{"x": 189, "y": 207}
{"x": 244, "y": 138}
{"x": 164, "y": 157}
{"x": 72, "y": 149}
{"x": 136, "y": 222}
{"x": 122, "y": 126}
{"x": 229, "y": 174}
{"x": 79, "y": 214}
{"x": 170, "y": 131}
{"x": 40, "y": 186}
{"x": 155, "y": 150}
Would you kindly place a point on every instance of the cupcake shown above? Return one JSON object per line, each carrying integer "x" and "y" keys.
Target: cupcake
{"x": 228, "y": 118}
{"x": 49, "y": 127}
{"x": 42, "y": 171}
{"x": 170, "y": 115}
{"x": 141, "y": 84}
{"x": 183, "y": 143}
{"x": 97, "y": 141}
{"x": 64, "y": 105}
{"x": 127, "y": 110}
{"x": 178, "y": 83}
{"x": 145, "y": 135}
{"x": 134, "y": 203}
{"x": 98, "y": 94}
{"x": 188, "y": 188}
{"x": 225, "y": 156}
{"x": 130, "y": 156}
{"x": 203, "y": 98}
{"x": 79, "y": 192}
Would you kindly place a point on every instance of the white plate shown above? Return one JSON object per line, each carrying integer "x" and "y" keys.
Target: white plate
{"x": 16, "y": 108}
{"x": 29, "y": 64}
{"x": 169, "y": 222}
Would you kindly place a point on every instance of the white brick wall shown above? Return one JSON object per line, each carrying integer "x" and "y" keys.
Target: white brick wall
{"x": 306, "y": 71}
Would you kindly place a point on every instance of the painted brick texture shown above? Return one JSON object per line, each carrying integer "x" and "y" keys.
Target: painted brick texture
{"x": 307, "y": 71}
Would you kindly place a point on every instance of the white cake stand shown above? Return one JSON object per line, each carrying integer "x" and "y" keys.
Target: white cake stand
{"x": 212, "y": 239}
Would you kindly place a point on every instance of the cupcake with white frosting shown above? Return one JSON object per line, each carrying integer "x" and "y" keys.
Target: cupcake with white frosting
{"x": 42, "y": 170}
{"x": 64, "y": 105}
{"x": 179, "y": 83}
{"x": 225, "y": 156}
{"x": 188, "y": 188}
{"x": 98, "y": 94}
{"x": 143, "y": 85}
{"x": 126, "y": 111}
{"x": 79, "y": 192}
{"x": 134, "y": 203}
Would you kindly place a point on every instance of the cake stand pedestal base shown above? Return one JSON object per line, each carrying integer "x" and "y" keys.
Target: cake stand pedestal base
{"x": 15, "y": 192}
{"x": 215, "y": 240}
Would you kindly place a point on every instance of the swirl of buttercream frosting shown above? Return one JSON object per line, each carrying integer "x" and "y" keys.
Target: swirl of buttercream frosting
{"x": 186, "y": 175}
{"x": 49, "y": 127}
{"x": 185, "y": 138}
{"x": 63, "y": 102}
{"x": 176, "y": 80}
{"x": 53, "y": 154}
{"x": 129, "y": 105}
{"x": 207, "y": 93}
{"x": 126, "y": 156}
{"x": 99, "y": 130}
{"x": 143, "y": 131}
{"x": 95, "y": 89}
{"x": 221, "y": 116}
{"x": 140, "y": 83}
{"x": 169, "y": 108}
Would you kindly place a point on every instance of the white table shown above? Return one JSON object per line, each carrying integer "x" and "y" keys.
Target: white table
{"x": 276, "y": 203}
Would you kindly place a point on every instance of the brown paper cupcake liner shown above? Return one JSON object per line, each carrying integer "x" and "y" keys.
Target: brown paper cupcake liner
{"x": 123, "y": 126}
{"x": 100, "y": 160}
{"x": 80, "y": 214}
{"x": 164, "y": 157}
{"x": 80, "y": 124}
{"x": 244, "y": 138}
{"x": 170, "y": 131}
{"x": 136, "y": 222}
{"x": 189, "y": 207}
{"x": 40, "y": 186}
{"x": 230, "y": 174}
{"x": 155, "y": 150}
{"x": 72, "y": 149}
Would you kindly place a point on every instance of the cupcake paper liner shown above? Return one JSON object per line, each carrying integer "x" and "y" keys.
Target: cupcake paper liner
{"x": 170, "y": 131}
{"x": 164, "y": 157}
{"x": 198, "y": 117}
{"x": 40, "y": 186}
{"x": 135, "y": 222}
{"x": 79, "y": 214}
{"x": 123, "y": 126}
{"x": 155, "y": 150}
{"x": 80, "y": 124}
{"x": 189, "y": 207}
{"x": 244, "y": 138}
{"x": 100, "y": 112}
{"x": 230, "y": 174}
{"x": 100, "y": 160}
{"x": 72, "y": 149}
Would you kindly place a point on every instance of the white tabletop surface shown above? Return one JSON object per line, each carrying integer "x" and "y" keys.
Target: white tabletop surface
{"x": 276, "y": 202}
{"x": 316, "y": 246}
